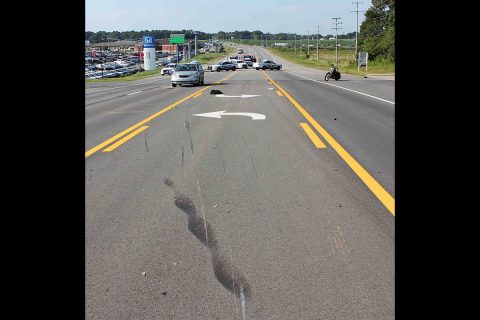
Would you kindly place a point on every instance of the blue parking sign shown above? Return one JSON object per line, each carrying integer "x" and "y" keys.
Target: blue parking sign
{"x": 148, "y": 42}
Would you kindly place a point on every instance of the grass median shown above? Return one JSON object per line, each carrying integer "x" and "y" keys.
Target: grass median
{"x": 327, "y": 57}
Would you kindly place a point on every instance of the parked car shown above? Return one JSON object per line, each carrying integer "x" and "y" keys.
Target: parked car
{"x": 267, "y": 64}
{"x": 224, "y": 65}
{"x": 188, "y": 73}
{"x": 169, "y": 68}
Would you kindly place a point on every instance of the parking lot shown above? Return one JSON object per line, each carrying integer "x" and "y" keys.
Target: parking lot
{"x": 113, "y": 64}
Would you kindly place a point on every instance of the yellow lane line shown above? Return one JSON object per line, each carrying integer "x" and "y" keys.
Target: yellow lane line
{"x": 315, "y": 139}
{"x": 125, "y": 139}
{"x": 279, "y": 93}
{"x": 380, "y": 192}
{"x": 153, "y": 116}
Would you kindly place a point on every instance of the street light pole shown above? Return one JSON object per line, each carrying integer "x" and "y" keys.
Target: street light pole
{"x": 318, "y": 31}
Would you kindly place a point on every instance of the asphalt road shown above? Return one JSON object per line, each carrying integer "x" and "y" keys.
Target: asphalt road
{"x": 233, "y": 218}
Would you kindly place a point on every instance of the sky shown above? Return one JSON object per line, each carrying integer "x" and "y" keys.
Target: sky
{"x": 211, "y": 16}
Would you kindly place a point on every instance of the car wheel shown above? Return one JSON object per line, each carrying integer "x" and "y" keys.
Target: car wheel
{"x": 174, "y": 85}
{"x": 264, "y": 68}
{"x": 218, "y": 69}
{"x": 233, "y": 69}
{"x": 256, "y": 68}
{"x": 278, "y": 67}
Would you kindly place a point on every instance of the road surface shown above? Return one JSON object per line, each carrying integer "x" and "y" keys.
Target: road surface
{"x": 279, "y": 207}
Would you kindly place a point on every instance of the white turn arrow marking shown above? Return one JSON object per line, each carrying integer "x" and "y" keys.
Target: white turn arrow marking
{"x": 242, "y": 96}
{"x": 219, "y": 114}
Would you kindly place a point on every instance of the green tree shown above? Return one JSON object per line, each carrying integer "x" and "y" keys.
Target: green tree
{"x": 377, "y": 32}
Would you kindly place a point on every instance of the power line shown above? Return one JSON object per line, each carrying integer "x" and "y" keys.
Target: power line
{"x": 356, "y": 34}
{"x": 336, "y": 38}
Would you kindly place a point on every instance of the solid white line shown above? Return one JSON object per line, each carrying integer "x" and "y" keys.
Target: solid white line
{"x": 242, "y": 301}
{"x": 133, "y": 93}
{"x": 368, "y": 95}
{"x": 137, "y": 84}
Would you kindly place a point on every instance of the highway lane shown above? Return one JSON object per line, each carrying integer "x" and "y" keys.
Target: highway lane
{"x": 289, "y": 230}
{"x": 365, "y": 126}
{"x": 381, "y": 88}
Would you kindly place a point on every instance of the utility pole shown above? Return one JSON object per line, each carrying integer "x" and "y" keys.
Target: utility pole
{"x": 336, "y": 38}
{"x": 356, "y": 34}
{"x": 295, "y": 43}
{"x": 308, "y": 44}
{"x": 318, "y": 31}
{"x": 300, "y": 45}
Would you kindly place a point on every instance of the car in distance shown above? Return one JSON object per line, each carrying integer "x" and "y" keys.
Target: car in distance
{"x": 267, "y": 64}
{"x": 248, "y": 61}
{"x": 188, "y": 73}
{"x": 224, "y": 65}
{"x": 169, "y": 68}
{"x": 241, "y": 64}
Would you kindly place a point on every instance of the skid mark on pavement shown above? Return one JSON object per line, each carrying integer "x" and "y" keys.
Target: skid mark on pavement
{"x": 187, "y": 125}
{"x": 225, "y": 271}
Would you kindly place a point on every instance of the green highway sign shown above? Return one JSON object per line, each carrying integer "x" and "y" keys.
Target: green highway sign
{"x": 177, "y": 38}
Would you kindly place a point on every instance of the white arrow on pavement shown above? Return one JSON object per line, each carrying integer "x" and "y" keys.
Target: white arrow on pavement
{"x": 242, "y": 96}
{"x": 219, "y": 114}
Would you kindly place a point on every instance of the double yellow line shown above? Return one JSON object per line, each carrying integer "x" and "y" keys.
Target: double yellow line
{"x": 380, "y": 192}
{"x": 141, "y": 123}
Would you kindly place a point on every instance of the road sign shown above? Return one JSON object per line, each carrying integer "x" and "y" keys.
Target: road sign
{"x": 363, "y": 59}
{"x": 148, "y": 42}
{"x": 177, "y": 39}
{"x": 219, "y": 114}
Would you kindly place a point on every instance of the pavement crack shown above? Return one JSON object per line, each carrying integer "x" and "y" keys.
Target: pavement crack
{"x": 250, "y": 154}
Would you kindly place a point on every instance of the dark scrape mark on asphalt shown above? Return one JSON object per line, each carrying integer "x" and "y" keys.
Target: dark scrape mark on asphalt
{"x": 224, "y": 270}
{"x": 182, "y": 158}
{"x": 146, "y": 145}
{"x": 187, "y": 125}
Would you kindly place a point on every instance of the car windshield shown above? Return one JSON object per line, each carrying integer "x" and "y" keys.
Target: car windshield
{"x": 186, "y": 67}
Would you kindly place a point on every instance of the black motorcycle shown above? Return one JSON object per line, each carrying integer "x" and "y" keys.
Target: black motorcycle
{"x": 333, "y": 73}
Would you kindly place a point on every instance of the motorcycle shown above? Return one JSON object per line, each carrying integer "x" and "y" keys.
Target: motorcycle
{"x": 333, "y": 73}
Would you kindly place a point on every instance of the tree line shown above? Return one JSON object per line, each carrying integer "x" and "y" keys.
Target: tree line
{"x": 377, "y": 33}
{"x": 104, "y": 36}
